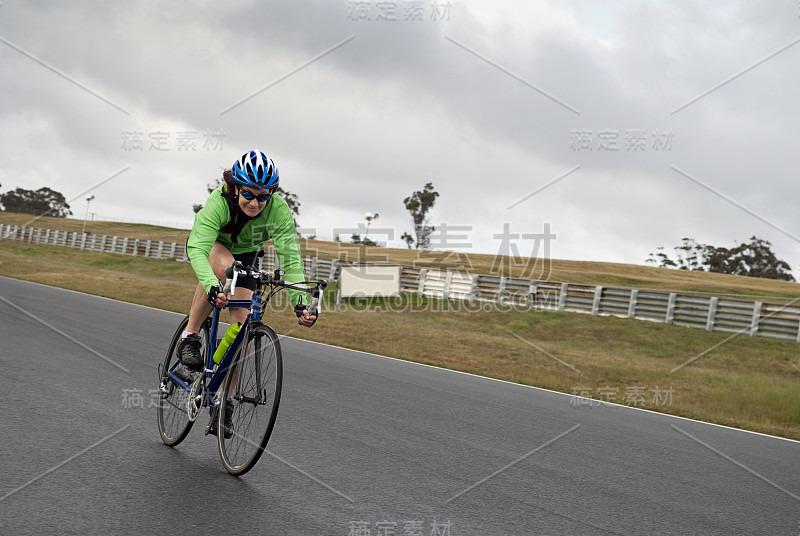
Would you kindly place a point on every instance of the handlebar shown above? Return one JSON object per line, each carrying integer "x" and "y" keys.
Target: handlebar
{"x": 274, "y": 279}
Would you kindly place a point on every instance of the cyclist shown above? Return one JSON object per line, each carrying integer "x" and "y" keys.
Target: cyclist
{"x": 236, "y": 220}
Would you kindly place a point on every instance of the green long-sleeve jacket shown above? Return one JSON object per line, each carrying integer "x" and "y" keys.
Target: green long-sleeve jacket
{"x": 274, "y": 223}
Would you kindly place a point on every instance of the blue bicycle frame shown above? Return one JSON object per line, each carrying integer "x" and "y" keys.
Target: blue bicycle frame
{"x": 217, "y": 377}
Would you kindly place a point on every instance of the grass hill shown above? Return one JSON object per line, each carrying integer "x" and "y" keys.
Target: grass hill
{"x": 732, "y": 379}
{"x": 581, "y": 272}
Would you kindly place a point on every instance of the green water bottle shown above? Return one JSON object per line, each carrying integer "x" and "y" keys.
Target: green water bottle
{"x": 226, "y": 341}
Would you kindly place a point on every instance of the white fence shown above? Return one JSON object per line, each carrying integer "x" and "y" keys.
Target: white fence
{"x": 778, "y": 318}
{"x": 153, "y": 249}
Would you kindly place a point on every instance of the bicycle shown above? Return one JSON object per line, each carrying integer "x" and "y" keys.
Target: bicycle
{"x": 250, "y": 373}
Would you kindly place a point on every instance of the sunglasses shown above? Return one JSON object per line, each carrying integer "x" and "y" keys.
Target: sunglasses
{"x": 247, "y": 194}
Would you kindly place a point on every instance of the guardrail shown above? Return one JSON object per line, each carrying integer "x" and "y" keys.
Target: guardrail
{"x": 153, "y": 249}
{"x": 712, "y": 313}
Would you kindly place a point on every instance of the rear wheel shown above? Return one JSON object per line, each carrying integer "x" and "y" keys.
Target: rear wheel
{"x": 174, "y": 421}
{"x": 253, "y": 388}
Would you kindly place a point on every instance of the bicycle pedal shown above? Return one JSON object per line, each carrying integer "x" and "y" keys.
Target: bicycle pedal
{"x": 213, "y": 410}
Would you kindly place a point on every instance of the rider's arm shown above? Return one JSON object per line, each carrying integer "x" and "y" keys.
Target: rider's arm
{"x": 205, "y": 231}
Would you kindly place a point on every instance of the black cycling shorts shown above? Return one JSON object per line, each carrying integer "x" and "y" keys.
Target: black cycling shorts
{"x": 247, "y": 259}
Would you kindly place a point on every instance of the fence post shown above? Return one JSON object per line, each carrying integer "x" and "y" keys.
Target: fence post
{"x": 712, "y": 313}
{"x": 334, "y": 266}
{"x": 83, "y": 241}
{"x": 473, "y": 288}
{"x": 312, "y": 267}
{"x": 446, "y": 290}
{"x": 756, "y": 318}
{"x": 598, "y": 293}
{"x": 670, "y": 316}
{"x": 423, "y": 273}
{"x": 562, "y": 296}
{"x": 533, "y": 289}
{"x": 798, "y": 331}
{"x": 147, "y": 249}
{"x": 501, "y": 290}
{"x": 632, "y": 303}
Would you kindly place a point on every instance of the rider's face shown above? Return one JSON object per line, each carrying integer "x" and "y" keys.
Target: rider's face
{"x": 253, "y": 207}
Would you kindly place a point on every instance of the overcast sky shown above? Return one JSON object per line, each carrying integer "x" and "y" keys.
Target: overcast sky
{"x": 619, "y": 126}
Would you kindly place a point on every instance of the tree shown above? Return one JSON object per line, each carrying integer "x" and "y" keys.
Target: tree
{"x": 419, "y": 204}
{"x": 356, "y": 239}
{"x": 756, "y": 259}
{"x": 41, "y": 202}
{"x": 753, "y": 259}
{"x": 408, "y": 239}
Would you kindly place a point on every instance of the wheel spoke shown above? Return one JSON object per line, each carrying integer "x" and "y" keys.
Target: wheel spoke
{"x": 255, "y": 400}
{"x": 173, "y": 418}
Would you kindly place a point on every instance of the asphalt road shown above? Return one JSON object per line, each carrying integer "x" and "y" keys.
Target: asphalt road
{"x": 364, "y": 445}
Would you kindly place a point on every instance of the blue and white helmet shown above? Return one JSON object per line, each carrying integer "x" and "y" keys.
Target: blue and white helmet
{"x": 255, "y": 170}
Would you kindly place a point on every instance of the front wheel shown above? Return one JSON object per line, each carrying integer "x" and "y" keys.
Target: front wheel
{"x": 253, "y": 389}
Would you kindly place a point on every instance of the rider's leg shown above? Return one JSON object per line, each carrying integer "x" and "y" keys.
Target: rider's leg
{"x": 219, "y": 259}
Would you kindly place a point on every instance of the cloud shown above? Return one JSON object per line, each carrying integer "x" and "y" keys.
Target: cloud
{"x": 479, "y": 104}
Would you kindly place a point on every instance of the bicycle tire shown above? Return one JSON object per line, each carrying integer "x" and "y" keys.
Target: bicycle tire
{"x": 255, "y": 395}
{"x": 173, "y": 420}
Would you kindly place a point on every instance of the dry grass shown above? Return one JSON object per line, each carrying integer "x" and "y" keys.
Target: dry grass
{"x": 748, "y": 382}
{"x": 583, "y": 272}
